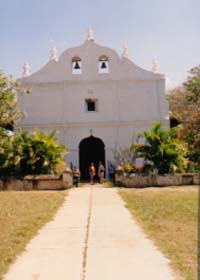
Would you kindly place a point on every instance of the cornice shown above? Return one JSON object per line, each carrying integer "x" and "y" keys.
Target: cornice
{"x": 89, "y": 82}
{"x": 136, "y": 123}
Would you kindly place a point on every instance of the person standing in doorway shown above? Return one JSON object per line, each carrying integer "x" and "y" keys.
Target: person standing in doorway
{"x": 101, "y": 171}
{"x": 92, "y": 173}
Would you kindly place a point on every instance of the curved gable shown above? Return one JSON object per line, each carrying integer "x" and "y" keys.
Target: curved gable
{"x": 89, "y": 54}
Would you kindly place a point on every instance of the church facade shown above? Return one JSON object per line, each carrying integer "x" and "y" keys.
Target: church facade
{"x": 97, "y": 100}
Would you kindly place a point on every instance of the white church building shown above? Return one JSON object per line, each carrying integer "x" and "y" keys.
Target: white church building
{"x": 97, "y": 100}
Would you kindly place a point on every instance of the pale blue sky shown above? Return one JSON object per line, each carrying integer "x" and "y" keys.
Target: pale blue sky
{"x": 168, "y": 30}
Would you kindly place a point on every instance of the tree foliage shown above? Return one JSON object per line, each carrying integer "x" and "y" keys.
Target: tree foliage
{"x": 192, "y": 85}
{"x": 10, "y": 111}
{"x": 185, "y": 107}
{"x": 162, "y": 151}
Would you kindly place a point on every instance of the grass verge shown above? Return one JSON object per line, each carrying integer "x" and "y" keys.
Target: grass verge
{"x": 21, "y": 215}
{"x": 109, "y": 184}
{"x": 169, "y": 216}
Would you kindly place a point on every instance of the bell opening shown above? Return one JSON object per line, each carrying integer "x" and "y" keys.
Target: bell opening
{"x": 77, "y": 66}
{"x": 103, "y": 65}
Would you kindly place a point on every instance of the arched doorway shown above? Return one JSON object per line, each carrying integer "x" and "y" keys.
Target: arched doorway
{"x": 91, "y": 149}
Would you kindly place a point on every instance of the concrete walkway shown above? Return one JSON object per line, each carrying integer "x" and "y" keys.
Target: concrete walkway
{"x": 93, "y": 237}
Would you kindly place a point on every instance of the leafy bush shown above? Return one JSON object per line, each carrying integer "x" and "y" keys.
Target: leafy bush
{"x": 26, "y": 153}
{"x": 193, "y": 167}
{"x": 162, "y": 151}
{"x": 6, "y": 153}
{"x": 128, "y": 167}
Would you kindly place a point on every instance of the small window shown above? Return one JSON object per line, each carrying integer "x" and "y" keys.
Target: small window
{"x": 76, "y": 65}
{"x": 91, "y": 105}
{"x": 103, "y": 64}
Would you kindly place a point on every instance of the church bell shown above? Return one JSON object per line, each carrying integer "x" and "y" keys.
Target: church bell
{"x": 103, "y": 65}
{"x": 77, "y": 65}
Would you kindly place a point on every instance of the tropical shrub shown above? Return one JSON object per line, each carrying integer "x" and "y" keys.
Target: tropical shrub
{"x": 128, "y": 167}
{"x": 25, "y": 153}
{"x": 162, "y": 151}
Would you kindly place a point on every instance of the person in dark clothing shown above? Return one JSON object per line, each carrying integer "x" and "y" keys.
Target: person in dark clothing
{"x": 76, "y": 176}
{"x": 112, "y": 173}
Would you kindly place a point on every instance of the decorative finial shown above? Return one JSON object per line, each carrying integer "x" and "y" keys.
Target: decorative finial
{"x": 54, "y": 54}
{"x": 90, "y": 34}
{"x": 91, "y": 132}
{"x": 155, "y": 66}
{"x": 26, "y": 70}
{"x": 125, "y": 51}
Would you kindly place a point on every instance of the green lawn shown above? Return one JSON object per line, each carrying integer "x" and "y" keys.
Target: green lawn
{"x": 169, "y": 217}
{"x": 21, "y": 215}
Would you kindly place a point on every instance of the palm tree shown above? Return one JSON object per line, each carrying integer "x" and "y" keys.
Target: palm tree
{"x": 162, "y": 151}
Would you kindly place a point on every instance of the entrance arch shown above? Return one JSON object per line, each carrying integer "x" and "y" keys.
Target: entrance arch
{"x": 91, "y": 149}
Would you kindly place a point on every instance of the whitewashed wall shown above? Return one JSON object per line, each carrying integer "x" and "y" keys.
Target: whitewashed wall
{"x": 129, "y": 99}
